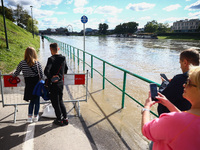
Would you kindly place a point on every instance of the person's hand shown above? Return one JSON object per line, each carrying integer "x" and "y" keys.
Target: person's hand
{"x": 164, "y": 79}
{"x": 149, "y": 102}
{"x": 55, "y": 76}
{"x": 162, "y": 99}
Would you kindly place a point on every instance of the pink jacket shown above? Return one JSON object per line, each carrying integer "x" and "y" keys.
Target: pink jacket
{"x": 174, "y": 131}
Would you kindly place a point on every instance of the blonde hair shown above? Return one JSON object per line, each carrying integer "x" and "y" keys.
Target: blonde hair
{"x": 194, "y": 75}
{"x": 30, "y": 56}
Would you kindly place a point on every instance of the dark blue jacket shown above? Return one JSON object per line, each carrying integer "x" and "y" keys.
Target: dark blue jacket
{"x": 40, "y": 90}
{"x": 173, "y": 92}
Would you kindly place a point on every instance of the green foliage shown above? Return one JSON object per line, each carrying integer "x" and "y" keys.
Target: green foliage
{"x": 126, "y": 28}
{"x": 8, "y": 13}
{"x": 103, "y": 28}
{"x": 151, "y": 26}
{"x": 29, "y": 26}
{"x": 155, "y": 27}
{"x": 18, "y": 40}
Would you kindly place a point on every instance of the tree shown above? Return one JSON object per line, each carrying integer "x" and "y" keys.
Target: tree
{"x": 118, "y": 29}
{"x": 126, "y": 28}
{"x": 103, "y": 28}
{"x": 29, "y": 26}
{"x": 8, "y": 13}
{"x": 21, "y": 16}
{"x": 151, "y": 26}
{"x": 163, "y": 28}
{"x": 17, "y": 12}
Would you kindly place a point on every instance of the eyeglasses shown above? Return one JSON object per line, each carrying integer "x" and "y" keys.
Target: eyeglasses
{"x": 188, "y": 83}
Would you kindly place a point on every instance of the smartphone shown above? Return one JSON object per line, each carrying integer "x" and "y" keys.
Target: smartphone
{"x": 164, "y": 77}
{"x": 54, "y": 79}
{"x": 154, "y": 92}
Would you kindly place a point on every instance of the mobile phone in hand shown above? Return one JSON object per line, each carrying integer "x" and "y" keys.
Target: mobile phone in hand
{"x": 54, "y": 79}
{"x": 164, "y": 77}
{"x": 154, "y": 91}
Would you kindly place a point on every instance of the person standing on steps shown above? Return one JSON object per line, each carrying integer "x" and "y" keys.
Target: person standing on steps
{"x": 55, "y": 69}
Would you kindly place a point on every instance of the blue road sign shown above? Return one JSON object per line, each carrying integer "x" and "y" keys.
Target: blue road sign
{"x": 84, "y": 19}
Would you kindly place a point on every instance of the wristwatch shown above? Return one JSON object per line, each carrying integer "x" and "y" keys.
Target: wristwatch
{"x": 144, "y": 109}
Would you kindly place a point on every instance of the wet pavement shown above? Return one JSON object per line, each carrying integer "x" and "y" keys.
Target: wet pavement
{"x": 103, "y": 125}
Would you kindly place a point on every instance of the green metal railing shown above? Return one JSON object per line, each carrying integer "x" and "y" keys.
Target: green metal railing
{"x": 71, "y": 52}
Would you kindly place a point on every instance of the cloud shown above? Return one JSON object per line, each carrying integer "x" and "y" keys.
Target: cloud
{"x": 69, "y": 1}
{"x": 110, "y": 10}
{"x": 172, "y": 7}
{"x": 80, "y": 3}
{"x": 82, "y": 10}
{"x": 34, "y": 3}
{"x": 170, "y": 20}
{"x": 140, "y": 6}
{"x": 196, "y": 14}
{"x": 187, "y": 0}
{"x": 145, "y": 18}
{"x": 60, "y": 13}
{"x": 193, "y": 6}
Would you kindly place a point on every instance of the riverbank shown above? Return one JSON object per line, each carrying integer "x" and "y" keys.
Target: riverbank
{"x": 18, "y": 39}
{"x": 173, "y": 37}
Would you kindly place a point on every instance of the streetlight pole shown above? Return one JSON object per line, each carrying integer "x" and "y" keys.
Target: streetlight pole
{"x": 32, "y": 20}
{"x": 4, "y": 24}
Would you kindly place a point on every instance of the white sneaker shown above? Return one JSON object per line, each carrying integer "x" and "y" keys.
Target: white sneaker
{"x": 29, "y": 120}
{"x": 35, "y": 119}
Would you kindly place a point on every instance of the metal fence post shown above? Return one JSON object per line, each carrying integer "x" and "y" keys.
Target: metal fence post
{"x": 124, "y": 89}
{"x": 104, "y": 74}
{"x": 91, "y": 66}
{"x": 78, "y": 55}
{"x": 74, "y": 53}
{"x": 70, "y": 52}
{"x": 84, "y": 60}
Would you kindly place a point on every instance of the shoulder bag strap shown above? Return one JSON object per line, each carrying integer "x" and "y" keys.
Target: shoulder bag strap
{"x": 38, "y": 70}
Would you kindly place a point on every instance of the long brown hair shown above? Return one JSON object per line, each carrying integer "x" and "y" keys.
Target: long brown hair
{"x": 30, "y": 56}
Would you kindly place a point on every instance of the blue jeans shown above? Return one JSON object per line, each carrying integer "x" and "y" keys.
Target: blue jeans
{"x": 34, "y": 103}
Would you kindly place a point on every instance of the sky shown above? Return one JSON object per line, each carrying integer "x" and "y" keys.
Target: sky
{"x": 67, "y": 13}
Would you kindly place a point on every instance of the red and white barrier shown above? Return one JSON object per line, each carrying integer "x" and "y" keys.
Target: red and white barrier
{"x": 69, "y": 79}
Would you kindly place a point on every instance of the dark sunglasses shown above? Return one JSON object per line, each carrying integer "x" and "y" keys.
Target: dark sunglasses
{"x": 188, "y": 83}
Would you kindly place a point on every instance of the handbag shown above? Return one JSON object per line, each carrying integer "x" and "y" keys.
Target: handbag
{"x": 48, "y": 82}
{"x": 53, "y": 79}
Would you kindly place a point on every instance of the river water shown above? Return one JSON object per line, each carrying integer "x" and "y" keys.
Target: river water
{"x": 145, "y": 57}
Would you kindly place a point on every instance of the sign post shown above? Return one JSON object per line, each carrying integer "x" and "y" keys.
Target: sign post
{"x": 84, "y": 20}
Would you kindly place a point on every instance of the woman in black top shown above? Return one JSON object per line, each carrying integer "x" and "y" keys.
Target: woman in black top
{"x": 31, "y": 70}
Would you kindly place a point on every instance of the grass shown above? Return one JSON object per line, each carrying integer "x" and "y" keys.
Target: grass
{"x": 180, "y": 37}
{"x": 18, "y": 39}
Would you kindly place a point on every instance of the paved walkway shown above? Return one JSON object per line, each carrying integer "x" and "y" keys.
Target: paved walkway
{"x": 103, "y": 124}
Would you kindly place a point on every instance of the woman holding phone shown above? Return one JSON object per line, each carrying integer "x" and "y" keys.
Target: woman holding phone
{"x": 175, "y": 130}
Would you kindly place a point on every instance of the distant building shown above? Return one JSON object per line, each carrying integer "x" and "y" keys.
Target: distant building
{"x": 186, "y": 25}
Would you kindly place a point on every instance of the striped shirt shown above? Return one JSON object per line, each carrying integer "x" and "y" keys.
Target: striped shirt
{"x": 29, "y": 71}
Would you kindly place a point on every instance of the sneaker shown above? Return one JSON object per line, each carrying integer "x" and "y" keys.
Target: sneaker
{"x": 29, "y": 120}
{"x": 58, "y": 122}
{"x": 65, "y": 121}
{"x": 35, "y": 119}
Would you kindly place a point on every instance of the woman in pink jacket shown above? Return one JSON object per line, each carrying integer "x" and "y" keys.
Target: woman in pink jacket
{"x": 176, "y": 130}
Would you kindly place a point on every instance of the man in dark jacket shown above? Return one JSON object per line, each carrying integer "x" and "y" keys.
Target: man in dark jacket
{"x": 174, "y": 90}
{"x": 55, "y": 69}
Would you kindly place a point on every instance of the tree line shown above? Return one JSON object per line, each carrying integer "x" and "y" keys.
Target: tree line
{"x": 21, "y": 18}
{"x": 131, "y": 27}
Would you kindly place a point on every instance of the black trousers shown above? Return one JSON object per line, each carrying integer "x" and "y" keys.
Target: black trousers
{"x": 56, "y": 96}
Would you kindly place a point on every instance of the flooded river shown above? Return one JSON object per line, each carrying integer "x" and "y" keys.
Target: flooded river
{"x": 145, "y": 57}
